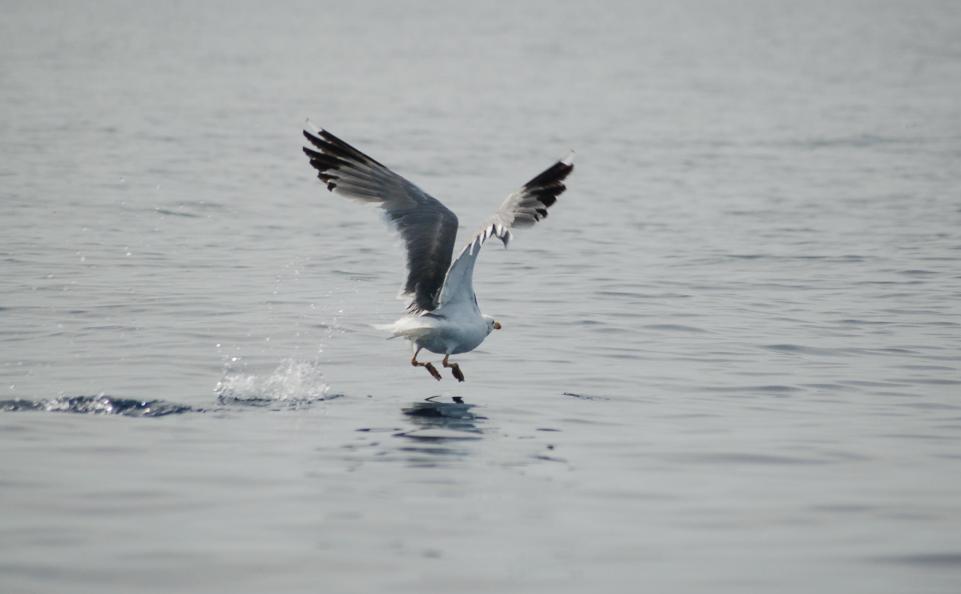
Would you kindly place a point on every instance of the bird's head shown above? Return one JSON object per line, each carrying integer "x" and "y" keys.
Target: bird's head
{"x": 492, "y": 324}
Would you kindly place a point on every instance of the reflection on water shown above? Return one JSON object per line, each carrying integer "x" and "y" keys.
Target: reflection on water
{"x": 453, "y": 416}
{"x": 440, "y": 429}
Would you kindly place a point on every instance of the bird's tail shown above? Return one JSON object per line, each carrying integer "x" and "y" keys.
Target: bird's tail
{"x": 385, "y": 328}
{"x": 405, "y": 327}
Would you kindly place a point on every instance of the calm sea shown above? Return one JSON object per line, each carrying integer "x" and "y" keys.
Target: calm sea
{"x": 731, "y": 357}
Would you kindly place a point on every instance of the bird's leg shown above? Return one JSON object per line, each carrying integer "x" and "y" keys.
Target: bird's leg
{"x": 454, "y": 368}
{"x": 430, "y": 366}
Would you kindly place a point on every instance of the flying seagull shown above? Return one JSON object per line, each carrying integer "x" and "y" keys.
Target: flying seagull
{"x": 442, "y": 314}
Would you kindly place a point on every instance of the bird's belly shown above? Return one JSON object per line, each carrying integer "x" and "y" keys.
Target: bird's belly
{"x": 444, "y": 343}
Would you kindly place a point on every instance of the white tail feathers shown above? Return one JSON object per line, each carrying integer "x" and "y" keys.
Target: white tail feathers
{"x": 411, "y": 328}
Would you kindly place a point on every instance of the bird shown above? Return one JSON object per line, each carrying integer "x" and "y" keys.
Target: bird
{"x": 442, "y": 314}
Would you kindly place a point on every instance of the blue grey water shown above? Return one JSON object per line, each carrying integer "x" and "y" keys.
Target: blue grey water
{"x": 731, "y": 357}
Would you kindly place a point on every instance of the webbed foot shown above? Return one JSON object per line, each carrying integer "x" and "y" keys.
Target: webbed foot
{"x": 433, "y": 370}
{"x": 430, "y": 366}
{"x": 454, "y": 369}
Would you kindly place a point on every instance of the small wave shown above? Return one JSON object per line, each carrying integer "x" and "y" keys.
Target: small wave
{"x": 293, "y": 384}
{"x": 99, "y": 405}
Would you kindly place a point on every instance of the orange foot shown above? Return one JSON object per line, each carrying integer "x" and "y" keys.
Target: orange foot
{"x": 454, "y": 369}
{"x": 433, "y": 370}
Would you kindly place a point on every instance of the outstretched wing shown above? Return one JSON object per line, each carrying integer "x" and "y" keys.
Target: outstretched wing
{"x": 427, "y": 226}
{"x": 523, "y": 208}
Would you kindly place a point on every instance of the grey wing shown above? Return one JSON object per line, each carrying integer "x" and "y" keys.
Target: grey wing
{"x": 427, "y": 227}
{"x": 523, "y": 208}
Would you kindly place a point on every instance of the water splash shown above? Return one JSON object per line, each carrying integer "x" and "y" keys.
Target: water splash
{"x": 293, "y": 384}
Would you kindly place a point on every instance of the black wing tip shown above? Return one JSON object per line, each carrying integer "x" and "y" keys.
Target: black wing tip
{"x": 332, "y": 145}
{"x": 548, "y": 185}
{"x": 310, "y": 135}
{"x": 321, "y": 138}
{"x": 553, "y": 176}
{"x": 334, "y": 153}
{"x": 326, "y": 166}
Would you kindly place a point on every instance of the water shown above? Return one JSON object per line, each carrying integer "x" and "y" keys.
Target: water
{"x": 730, "y": 359}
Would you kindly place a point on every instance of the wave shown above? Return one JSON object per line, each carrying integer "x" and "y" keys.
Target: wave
{"x": 100, "y": 404}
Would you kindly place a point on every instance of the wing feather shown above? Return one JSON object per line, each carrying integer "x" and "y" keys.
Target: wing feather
{"x": 522, "y": 208}
{"x": 427, "y": 227}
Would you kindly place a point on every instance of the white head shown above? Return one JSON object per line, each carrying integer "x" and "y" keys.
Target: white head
{"x": 492, "y": 324}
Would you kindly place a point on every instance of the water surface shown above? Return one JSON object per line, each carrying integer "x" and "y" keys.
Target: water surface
{"x": 730, "y": 359}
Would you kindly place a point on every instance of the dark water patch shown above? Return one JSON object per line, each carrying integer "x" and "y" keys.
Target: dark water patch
{"x": 99, "y": 405}
{"x": 841, "y": 258}
{"x": 357, "y": 275}
{"x": 741, "y": 459}
{"x": 763, "y": 389}
{"x": 894, "y": 350}
{"x": 641, "y": 295}
{"x": 430, "y": 450}
{"x": 829, "y": 387}
{"x": 843, "y": 508}
{"x": 803, "y": 350}
{"x": 909, "y": 311}
{"x": 948, "y": 456}
{"x": 914, "y": 367}
{"x": 584, "y": 396}
{"x": 291, "y": 403}
{"x": 546, "y": 458}
{"x": 919, "y": 436}
{"x": 439, "y": 435}
{"x": 674, "y": 328}
{"x": 948, "y": 559}
{"x": 857, "y": 322}
{"x": 929, "y": 405}
{"x": 933, "y": 381}
{"x": 176, "y": 213}
{"x": 872, "y": 383}
{"x": 854, "y": 141}
{"x": 690, "y": 416}
{"x": 615, "y": 330}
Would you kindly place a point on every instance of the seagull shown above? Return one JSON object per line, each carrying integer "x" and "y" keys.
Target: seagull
{"x": 442, "y": 312}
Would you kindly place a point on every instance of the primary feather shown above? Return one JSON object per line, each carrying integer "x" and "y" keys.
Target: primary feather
{"x": 427, "y": 227}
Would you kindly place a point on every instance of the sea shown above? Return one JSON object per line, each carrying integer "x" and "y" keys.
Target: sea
{"x": 730, "y": 358}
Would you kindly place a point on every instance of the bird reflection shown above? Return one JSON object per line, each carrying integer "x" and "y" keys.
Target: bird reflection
{"x": 440, "y": 429}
